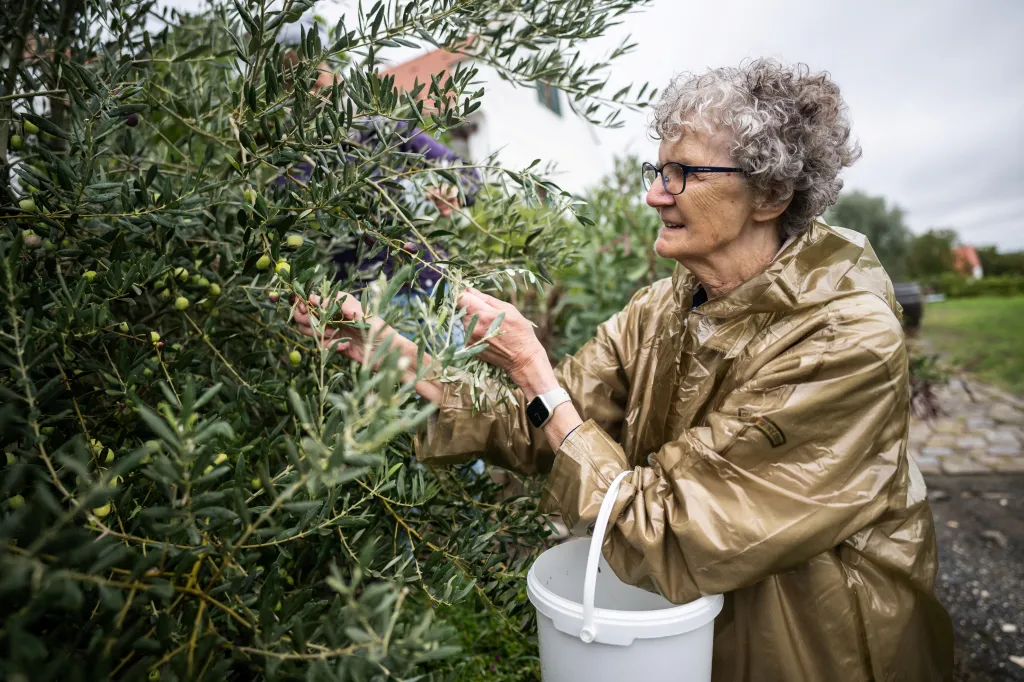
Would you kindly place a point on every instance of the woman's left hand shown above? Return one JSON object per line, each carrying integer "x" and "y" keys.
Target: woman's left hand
{"x": 516, "y": 349}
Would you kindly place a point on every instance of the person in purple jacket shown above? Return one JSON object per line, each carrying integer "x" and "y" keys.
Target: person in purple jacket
{"x": 355, "y": 262}
{"x": 444, "y": 198}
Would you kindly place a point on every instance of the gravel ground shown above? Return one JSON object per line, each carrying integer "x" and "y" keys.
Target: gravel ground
{"x": 980, "y": 527}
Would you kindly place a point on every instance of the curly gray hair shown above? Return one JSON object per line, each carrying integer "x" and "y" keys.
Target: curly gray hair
{"x": 789, "y": 127}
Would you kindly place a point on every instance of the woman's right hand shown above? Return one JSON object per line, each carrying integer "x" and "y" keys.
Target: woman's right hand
{"x": 351, "y": 310}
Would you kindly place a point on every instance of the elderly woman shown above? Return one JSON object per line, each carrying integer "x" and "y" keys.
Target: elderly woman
{"x": 759, "y": 399}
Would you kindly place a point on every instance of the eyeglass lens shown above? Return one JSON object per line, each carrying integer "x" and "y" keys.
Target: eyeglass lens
{"x": 675, "y": 180}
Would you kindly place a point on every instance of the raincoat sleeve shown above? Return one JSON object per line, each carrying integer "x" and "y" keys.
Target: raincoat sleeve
{"x": 597, "y": 379}
{"x": 794, "y": 460}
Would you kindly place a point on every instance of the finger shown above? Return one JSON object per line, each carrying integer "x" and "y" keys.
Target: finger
{"x": 473, "y": 302}
{"x": 468, "y": 318}
{"x": 496, "y": 302}
{"x": 351, "y": 309}
{"x": 483, "y": 317}
{"x": 313, "y": 299}
{"x": 329, "y": 343}
{"x": 301, "y": 319}
{"x": 492, "y": 301}
{"x": 483, "y": 323}
{"x": 333, "y": 338}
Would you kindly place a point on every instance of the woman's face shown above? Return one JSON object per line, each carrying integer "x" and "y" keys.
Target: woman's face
{"x": 715, "y": 210}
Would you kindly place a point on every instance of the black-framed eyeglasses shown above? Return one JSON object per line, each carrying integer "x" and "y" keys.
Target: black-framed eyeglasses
{"x": 673, "y": 175}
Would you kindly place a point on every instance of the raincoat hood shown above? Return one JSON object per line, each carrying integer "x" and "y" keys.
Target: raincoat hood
{"x": 765, "y": 436}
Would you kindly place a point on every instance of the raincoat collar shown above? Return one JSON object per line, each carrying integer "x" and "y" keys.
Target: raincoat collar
{"x": 807, "y": 271}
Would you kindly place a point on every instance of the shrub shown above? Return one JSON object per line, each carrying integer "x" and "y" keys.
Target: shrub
{"x": 954, "y": 285}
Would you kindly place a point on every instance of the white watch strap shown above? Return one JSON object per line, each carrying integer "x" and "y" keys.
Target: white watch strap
{"x": 553, "y": 399}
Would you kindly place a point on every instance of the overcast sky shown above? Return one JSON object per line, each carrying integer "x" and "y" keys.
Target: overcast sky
{"x": 935, "y": 90}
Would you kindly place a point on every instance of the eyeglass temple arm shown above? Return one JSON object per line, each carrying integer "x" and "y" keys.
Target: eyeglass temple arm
{"x": 712, "y": 169}
{"x": 694, "y": 169}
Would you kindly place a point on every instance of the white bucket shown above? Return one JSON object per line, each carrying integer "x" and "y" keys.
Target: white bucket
{"x": 628, "y": 633}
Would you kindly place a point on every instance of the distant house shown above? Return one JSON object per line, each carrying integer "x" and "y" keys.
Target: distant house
{"x": 521, "y": 124}
{"x": 966, "y": 262}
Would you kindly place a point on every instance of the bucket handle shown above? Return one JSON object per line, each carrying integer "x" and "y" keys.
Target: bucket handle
{"x": 589, "y": 631}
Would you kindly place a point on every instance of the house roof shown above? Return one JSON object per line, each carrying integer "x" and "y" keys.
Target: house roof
{"x": 422, "y": 68}
{"x": 965, "y": 256}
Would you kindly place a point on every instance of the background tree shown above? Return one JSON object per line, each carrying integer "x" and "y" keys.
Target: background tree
{"x": 883, "y": 225}
{"x": 191, "y": 490}
{"x": 995, "y": 264}
{"x": 931, "y": 253}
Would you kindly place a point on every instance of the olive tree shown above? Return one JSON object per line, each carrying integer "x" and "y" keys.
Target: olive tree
{"x": 191, "y": 490}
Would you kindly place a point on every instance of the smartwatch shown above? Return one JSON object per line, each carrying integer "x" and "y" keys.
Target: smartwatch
{"x": 540, "y": 409}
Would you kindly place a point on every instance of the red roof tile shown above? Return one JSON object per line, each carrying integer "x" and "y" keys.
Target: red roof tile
{"x": 422, "y": 68}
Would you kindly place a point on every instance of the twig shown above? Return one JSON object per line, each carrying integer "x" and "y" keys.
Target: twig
{"x": 37, "y": 93}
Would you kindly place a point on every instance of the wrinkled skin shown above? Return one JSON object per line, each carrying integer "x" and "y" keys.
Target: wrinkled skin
{"x": 717, "y": 228}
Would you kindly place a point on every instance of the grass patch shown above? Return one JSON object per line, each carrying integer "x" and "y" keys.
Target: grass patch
{"x": 983, "y": 336}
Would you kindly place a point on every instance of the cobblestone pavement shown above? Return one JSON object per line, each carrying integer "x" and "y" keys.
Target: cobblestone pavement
{"x": 980, "y": 431}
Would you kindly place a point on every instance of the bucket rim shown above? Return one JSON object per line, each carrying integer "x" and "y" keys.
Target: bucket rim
{"x": 674, "y": 620}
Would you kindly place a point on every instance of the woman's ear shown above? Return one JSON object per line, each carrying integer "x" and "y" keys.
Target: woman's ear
{"x": 771, "y": 208}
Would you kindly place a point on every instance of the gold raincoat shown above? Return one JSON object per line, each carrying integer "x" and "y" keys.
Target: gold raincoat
{"x": 767, "y": 435}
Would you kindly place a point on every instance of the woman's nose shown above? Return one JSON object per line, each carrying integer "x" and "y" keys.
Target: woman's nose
{"x": 657, "y": 196}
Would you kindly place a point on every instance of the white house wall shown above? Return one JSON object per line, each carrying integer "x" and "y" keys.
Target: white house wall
{"x": 513, "y": 122}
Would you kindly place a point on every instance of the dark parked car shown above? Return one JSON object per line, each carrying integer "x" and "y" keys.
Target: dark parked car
{"x": 910, "y": 296}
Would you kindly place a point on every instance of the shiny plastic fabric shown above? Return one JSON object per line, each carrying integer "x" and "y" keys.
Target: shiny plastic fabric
{"x": 766, "y": 431}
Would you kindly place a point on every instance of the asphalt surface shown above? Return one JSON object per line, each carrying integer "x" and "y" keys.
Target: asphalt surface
{"x": 980, "y": 530}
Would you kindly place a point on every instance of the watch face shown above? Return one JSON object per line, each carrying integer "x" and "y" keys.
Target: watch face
{"x": 537, "y": 411}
